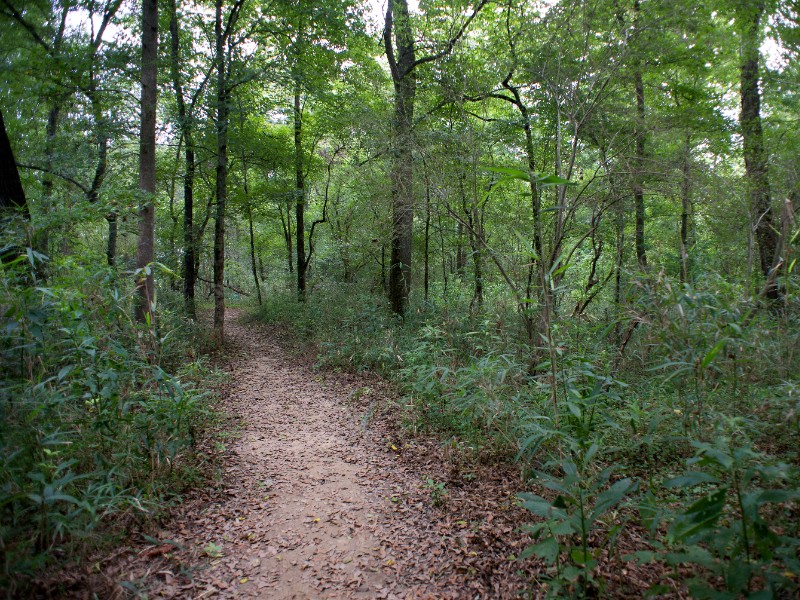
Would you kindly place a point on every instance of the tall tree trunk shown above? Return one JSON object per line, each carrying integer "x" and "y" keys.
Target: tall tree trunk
{"x": 111, "y": 248}
{"x": 443, "y": 254}
{"x": 42, "y": 237}
{"x": 249, "y": 207}
{"x": 426, "y": 281}
{"x": 755, "y": 157}
{"x": 461, "y": 255}
{"x": 300, "y": 195}
{"x": 185, "y": 124}
{"x": 402, "y": 63}
{"x": 638, "y": 186}
{"x": 477, "y": 241}
{"x": 12, "y": 195}
{"x": 221, "y": 179}
{"x": 384, "y": 285}
{"x": 101, "y": 128}
{"x": 13, "y": 204}
{"x": 640, "y": 133}
{"x": 286, "y": 224}
{"x": 686, "y": 209}
{"x": 147, "y": 162}
{"x": 540, "y": 261}
{"x": 461, "y": 252}
{"x": 477, "y": 220}
{"x": 402, "y": 165}
{"x": 618, "y": 201}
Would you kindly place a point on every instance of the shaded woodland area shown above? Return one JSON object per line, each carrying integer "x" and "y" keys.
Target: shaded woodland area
{"x": 566, "y": 232}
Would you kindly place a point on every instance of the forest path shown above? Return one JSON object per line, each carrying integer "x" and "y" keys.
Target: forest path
{"x": 322, "y": 494}
{"x": 302, "y": 503}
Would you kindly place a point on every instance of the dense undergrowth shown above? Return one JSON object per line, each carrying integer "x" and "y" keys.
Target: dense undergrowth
{"x": 675, "y": 418}
{"x": 97, "y": 415}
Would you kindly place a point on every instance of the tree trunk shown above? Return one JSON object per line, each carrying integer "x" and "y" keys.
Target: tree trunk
{"x": 402, "y": 165}
{"x": 477, "y": 241}
{"x": 249, "y": 208}
{"x": 443, "y": 255}
{"x": 147, "y": 162}
{"x": 42, "y": 236}
{"x": 427, "y": 237}
{"x": 111, "y": 248}
{"x": 402, "y": 63}
{"x": 300, "y": 196}
{"x": 12, "y": 196}
{"x": 13, "y": 204}
{"x": 184, "y": 122}
{"x": 287, "y": 231}
{"x": 461, "y": 255}
{"x": 545, "y": 295}
{"x": 686, "y": 209}
{"x": 755, "y": 157}
{"x": 221, "y": 180}
{"x": 384, "y": 285}
{"x": 638, "y": 186}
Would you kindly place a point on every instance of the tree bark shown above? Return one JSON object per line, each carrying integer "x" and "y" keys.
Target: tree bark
{"x": 755, "y": 156}
{"x": 640, "y": 133}
{"x": 221, "y": 179}
{"x": 42, "y": 237}
{"x": 111, "y": 248}
{"x": 249, "y": 208}
{"x": 402, "y": 63}
{"x": 12, "y": 195}
{"x": 686, "y": 209}
{"x": 300, "y": 196}
{"x": 287, "y": 232}
{"x": 147, "y": 163}
{"x": 101, "y": 127}
{"x": 185, "y": 125}
{"x": 402, "y": 159}
{"x": 426, "y": 280}
{"x": 461, "y": 255}
{"x": 13, "y": 204}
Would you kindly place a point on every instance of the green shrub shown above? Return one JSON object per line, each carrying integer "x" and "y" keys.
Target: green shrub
{"x": 91, "y": 423}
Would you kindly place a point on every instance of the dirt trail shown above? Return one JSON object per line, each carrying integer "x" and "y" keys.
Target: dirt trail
{"x": 322, "y": 495}
{"x": 304, "y": 506}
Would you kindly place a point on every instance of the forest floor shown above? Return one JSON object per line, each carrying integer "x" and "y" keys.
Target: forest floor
{"x": 322, "y": 493}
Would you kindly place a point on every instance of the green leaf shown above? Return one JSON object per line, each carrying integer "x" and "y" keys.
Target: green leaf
{"x": 690, "y": 479}
{"x": 700, "y": 517}
{"x": 539, "y": 506}
{"x": 553, "y": 180}
{"x": 547, "y": 549}
{"x": 64, "y": 498}
{"x": 511, "y": 172}
{"x": 693, "y": 555}
{"x": 642, "y": 556}
{"x": 611, "y": 497}
{"x": 773, "y": 496}
{"x": 579, "y": 557}
{"x": 715, "y": 349}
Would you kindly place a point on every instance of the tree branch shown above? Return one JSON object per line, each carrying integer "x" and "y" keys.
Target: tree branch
{"x": 77, "y": 184}
{"x": 387, "y": 42}
{"x": 17, "y": 16}
{"x": 230, "y": 287}
{"x": 453, "y": 41}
